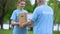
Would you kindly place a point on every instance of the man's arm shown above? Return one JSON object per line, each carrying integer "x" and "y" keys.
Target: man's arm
{"x": 29, "y": 23}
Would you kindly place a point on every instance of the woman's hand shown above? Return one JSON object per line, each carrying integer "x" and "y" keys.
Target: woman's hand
{"x": 22, "y": 25}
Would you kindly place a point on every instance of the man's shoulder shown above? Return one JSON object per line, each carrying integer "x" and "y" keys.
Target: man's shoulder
{"x": 51, "y": 8}
{"x": 38, "y": 8}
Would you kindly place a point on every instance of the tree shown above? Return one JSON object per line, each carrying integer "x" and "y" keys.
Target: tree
{"x": 2, "y": 11}
{"x": 6, "y": 8}
{"x": 28, "y": 6}
{"x": 56, "y": 7}
{"x": 35, "y": 4}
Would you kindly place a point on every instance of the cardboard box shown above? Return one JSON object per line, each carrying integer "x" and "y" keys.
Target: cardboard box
{"x": 22, "y": 17}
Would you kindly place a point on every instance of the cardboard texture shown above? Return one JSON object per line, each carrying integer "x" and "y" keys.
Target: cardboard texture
{"x": 22, "y": 17}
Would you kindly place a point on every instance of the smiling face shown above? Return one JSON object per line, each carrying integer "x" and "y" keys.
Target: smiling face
{"x": 21, "y": 4}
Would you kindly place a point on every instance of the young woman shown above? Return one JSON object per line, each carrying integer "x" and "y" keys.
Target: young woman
{"x": 14, "y": 19}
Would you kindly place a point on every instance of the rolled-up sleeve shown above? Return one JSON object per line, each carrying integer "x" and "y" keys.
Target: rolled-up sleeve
{"x": 35, "y": 15}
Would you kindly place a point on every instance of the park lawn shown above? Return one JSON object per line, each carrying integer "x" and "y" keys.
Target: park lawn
{"x": 30, "y": 32}
{"x": 5, "y": 31}
{"x": 11, "y": 31}
{"x": 56, "y": 32}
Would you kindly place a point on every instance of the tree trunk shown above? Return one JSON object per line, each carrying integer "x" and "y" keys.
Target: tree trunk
{"x": 35, "y": 4}
{"x": 9, "y": 24}
{"x": 1, "y": 22}
{"x": 2, "y": 12}
{"x": 2, "y": 18}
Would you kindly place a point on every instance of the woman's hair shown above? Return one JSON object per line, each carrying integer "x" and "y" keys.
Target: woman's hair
{"x": 20, "y": 1}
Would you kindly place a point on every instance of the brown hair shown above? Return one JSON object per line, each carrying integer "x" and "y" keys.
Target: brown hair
{"x": 20, "y": 1}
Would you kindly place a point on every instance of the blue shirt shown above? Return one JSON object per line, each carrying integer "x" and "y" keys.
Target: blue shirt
{"x": 43, "y": 20}
{"x": 17, "y": 29}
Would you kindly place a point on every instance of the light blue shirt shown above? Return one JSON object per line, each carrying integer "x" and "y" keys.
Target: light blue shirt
{"x": 17, "y": 29}
{"x": 43, "y": 20}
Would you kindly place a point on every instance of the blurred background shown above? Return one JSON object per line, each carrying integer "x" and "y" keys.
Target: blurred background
{"x": 7, "y": 7}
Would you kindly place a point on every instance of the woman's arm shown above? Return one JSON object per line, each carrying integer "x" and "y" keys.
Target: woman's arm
{"x": 14, "y": 23}
{"x": 18, "y": 24}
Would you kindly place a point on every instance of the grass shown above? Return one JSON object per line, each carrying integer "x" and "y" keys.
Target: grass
{"x": 6, "y": 32}
{"x": 10, "y": 32}
{"x": 56, "y": 32}
{"x": 30, "y": 32}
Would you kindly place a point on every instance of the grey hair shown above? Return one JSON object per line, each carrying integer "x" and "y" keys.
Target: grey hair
{"x": 43, "y": 0}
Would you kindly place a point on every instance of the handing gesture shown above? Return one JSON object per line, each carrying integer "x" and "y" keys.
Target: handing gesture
{"x": 22, "y": 25}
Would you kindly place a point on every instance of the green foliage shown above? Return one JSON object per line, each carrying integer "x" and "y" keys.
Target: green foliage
{"x": 28, "y": 6}
{"x": 35, "y": 4}
{"x": 10, "y": 5}
{"x": 55, "y": 4}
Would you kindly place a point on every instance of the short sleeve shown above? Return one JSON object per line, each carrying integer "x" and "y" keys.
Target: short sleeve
{"x": 26, "y": 11}
{"x": 35, "y": 15}
{"x": 13, "y": 17}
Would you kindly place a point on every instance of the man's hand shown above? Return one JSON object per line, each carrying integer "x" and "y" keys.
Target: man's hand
{"x": 22, "y": 25}
{"x": 30, "y": 23}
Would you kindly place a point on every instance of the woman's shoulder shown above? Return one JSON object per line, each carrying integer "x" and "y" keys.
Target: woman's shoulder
{"x": 15, "y": 10}
{"x": 26, "y": 11}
